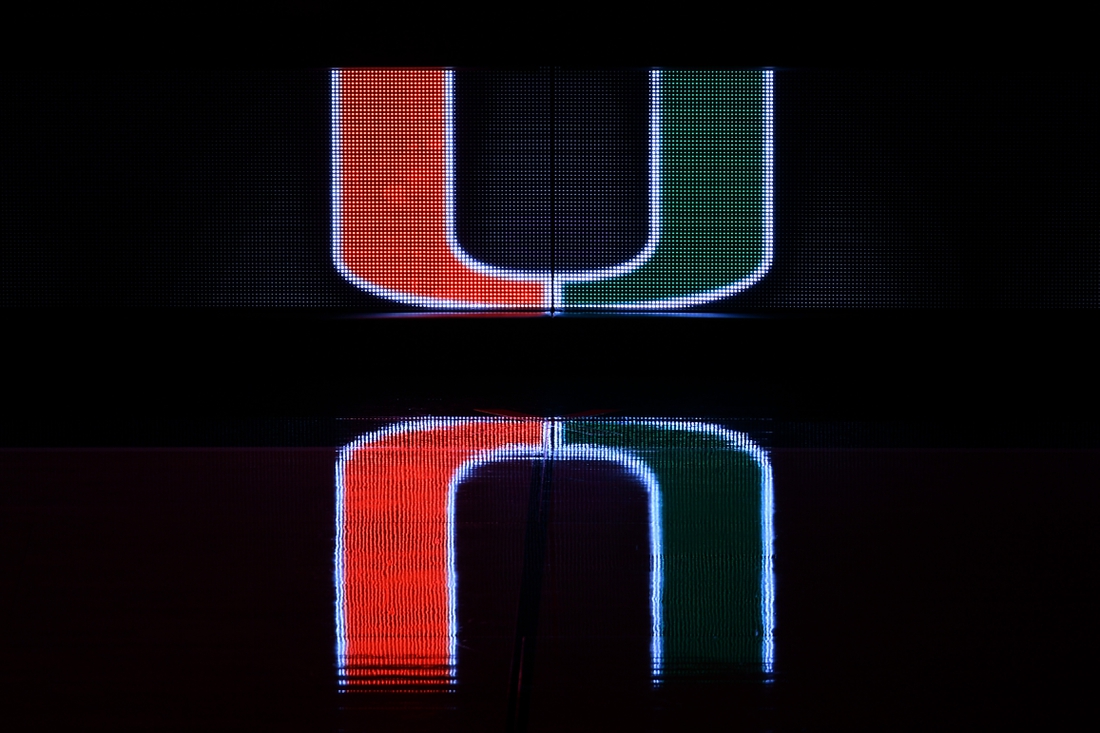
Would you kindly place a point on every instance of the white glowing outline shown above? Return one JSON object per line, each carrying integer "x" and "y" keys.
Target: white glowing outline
{"x": 338, "y": 554}
{"x": 423, "y": 301}
{"x": 748, "y": 281}
{"x": 552, "y": 447}
{"x": 767, "y": 527}
{"x": 552, "y": 282}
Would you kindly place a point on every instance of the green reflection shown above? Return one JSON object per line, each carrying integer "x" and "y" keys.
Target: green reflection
{"x": 714, "y": 528}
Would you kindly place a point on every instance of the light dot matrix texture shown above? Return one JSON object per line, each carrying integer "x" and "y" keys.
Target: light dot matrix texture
{"x": 536, "y": 188}
{"x": 643, "y": 189}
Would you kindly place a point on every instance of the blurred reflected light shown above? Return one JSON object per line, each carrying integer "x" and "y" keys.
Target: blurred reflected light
{"x": 712, "y": 586}
{"x": 395, "y": 579}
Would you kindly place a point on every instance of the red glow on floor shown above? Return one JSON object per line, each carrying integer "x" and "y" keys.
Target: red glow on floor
{"x": 396, "y": 595}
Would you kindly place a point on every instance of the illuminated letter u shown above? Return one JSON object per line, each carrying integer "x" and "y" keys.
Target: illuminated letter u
{"x": 710, "y": 228}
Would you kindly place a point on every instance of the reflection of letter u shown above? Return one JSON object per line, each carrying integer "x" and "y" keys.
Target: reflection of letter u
{"x": 395, "y": 583}
{"x": 395, "y": 558}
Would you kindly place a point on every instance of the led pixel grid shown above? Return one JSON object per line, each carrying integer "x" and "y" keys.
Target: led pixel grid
{"x": 550, "y": 189}
{"x": 709, "y": 595}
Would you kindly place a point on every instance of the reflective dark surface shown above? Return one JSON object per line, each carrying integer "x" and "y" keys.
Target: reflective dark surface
{"x": 919, "y": 582}
{"x": 177, "y": 554}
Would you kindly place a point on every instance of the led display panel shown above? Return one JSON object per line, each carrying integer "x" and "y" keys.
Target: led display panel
{"x": 381, "y": 189}
{"x": 550, "y": 189}
{"x": 709, "y": 595}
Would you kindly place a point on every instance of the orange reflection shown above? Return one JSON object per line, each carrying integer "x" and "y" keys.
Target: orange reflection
{"x": 395, "y": 547}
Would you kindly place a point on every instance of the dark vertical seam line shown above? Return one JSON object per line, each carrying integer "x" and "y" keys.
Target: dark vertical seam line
{"x": 553, "y": 213}
{"x": 523, "y": 652}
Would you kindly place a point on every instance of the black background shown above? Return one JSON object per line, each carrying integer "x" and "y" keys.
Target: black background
{"x": 917, "y": 161}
